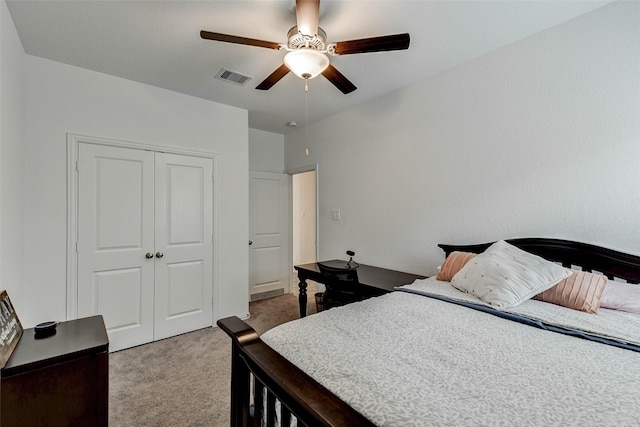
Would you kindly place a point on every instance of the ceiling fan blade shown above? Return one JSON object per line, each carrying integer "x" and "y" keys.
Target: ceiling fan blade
{"x": 238, "y": 40}
{"x": 273, "y": 78}
{"x": 338, "y": 79}
{"x": 308, "y": 16}
{"x": 374, "y": 44}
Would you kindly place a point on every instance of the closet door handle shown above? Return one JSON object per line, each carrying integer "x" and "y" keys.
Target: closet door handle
{"x": 159, "y": 254}
{"x": 148, "y": 255}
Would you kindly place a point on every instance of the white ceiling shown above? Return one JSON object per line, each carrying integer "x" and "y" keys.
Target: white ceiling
{"x": 158, "y": 43}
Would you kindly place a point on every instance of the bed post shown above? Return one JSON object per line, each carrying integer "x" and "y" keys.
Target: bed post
{"x": 240, "y": 373}
{"x": 240, "y": 383}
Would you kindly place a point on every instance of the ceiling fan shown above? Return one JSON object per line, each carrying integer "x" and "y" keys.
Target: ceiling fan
{"x": 308, "y": 50}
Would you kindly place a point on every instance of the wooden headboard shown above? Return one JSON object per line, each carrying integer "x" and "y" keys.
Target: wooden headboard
{"x": 589, "y": 257}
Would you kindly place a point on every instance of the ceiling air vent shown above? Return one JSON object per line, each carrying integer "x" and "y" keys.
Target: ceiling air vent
{"x": 232, "y": 77}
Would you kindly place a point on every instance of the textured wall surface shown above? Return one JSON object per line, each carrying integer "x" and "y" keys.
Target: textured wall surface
{"x": 539, "y": 138}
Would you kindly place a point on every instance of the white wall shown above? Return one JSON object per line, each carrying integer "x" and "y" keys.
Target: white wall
{"x": 266, "y": 151}
{"x": 540, "y": 138}
{"x": 60, "y": 98}
{"x": 11, "y": 159}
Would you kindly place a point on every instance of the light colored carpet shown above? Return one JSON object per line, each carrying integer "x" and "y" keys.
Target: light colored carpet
{"x": 185, "y": 380}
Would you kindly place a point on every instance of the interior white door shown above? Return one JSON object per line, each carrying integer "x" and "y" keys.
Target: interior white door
{"x": 269, "y": 234}
{"x": 115, "y": 239}
{"x": 183, "y": 244}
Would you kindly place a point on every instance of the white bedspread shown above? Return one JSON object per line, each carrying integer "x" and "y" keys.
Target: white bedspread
{"x": 407, "y": 360}
{"x": 610, "y": 324}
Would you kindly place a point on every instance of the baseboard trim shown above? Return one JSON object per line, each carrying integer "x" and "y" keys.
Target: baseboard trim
{"x": 265, "y": 295}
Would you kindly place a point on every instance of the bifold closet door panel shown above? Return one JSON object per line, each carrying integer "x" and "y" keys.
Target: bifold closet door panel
{"x": 116, "y": 234}
{"x": 184, "y": 244}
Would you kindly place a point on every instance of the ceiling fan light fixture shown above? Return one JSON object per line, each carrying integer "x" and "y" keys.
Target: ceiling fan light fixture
{"x": 306, "y": 63}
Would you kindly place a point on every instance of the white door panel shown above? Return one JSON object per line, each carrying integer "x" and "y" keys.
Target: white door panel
{"x": 184, "y": 235}
{"x": 269, "y": 233}
{"x": 115, "y": 231}
{"x": 123, "y": 313}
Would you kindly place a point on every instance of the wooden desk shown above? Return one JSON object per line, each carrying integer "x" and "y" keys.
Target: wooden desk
{"x": 61, "y": 380}
{"x": 374, "y": 281}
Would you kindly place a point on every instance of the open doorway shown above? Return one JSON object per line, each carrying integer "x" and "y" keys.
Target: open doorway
{"x": 304, "y": 221}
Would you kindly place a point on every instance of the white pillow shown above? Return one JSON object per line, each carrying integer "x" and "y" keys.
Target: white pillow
{"x": 505, "y": 276}
{"x": 621, "y": 296}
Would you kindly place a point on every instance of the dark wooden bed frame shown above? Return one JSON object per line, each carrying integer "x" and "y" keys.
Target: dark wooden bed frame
{"x": 257, "y": 369}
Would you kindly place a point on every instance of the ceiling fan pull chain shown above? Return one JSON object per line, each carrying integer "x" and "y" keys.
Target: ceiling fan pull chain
{"x": 306, "y": 116}
{"x": 306, "y": 104}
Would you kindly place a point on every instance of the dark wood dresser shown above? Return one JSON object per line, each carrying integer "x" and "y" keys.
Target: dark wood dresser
{"x": 60, "y": 380}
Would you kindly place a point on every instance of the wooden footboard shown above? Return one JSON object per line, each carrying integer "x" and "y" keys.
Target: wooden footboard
{"x": 259, "y": 374}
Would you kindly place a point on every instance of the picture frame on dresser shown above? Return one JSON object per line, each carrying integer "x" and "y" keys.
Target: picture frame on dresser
{"x": 10, "y": 328}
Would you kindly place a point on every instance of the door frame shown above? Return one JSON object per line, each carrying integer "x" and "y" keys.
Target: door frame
{"x": 308, "y": 168}
{"x": 73, "y": 142}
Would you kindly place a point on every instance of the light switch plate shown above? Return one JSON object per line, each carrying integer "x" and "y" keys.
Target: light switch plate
{"x": 335, "y": 214}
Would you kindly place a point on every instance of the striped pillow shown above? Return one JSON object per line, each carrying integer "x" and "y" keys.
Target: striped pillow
{"x": 580, "y": 291}
{"x": 454, "y": 262}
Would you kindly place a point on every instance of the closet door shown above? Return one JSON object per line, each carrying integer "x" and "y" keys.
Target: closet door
{"x": 116, "y": 241}
{"x": 145, "y": 242}
{"x": 183, "y": 244}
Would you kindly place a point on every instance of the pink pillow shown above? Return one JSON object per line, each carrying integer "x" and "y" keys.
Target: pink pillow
{"x": 454, "y": 262}
{"x": 621, "y": 296}
{"x": 580, "y": 291}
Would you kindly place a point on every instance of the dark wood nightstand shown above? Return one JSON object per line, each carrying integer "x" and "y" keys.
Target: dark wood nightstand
{"x": 60, "y": 380}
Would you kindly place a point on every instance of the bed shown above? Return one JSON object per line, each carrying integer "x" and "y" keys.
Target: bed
{"x": 429, "y": 354}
